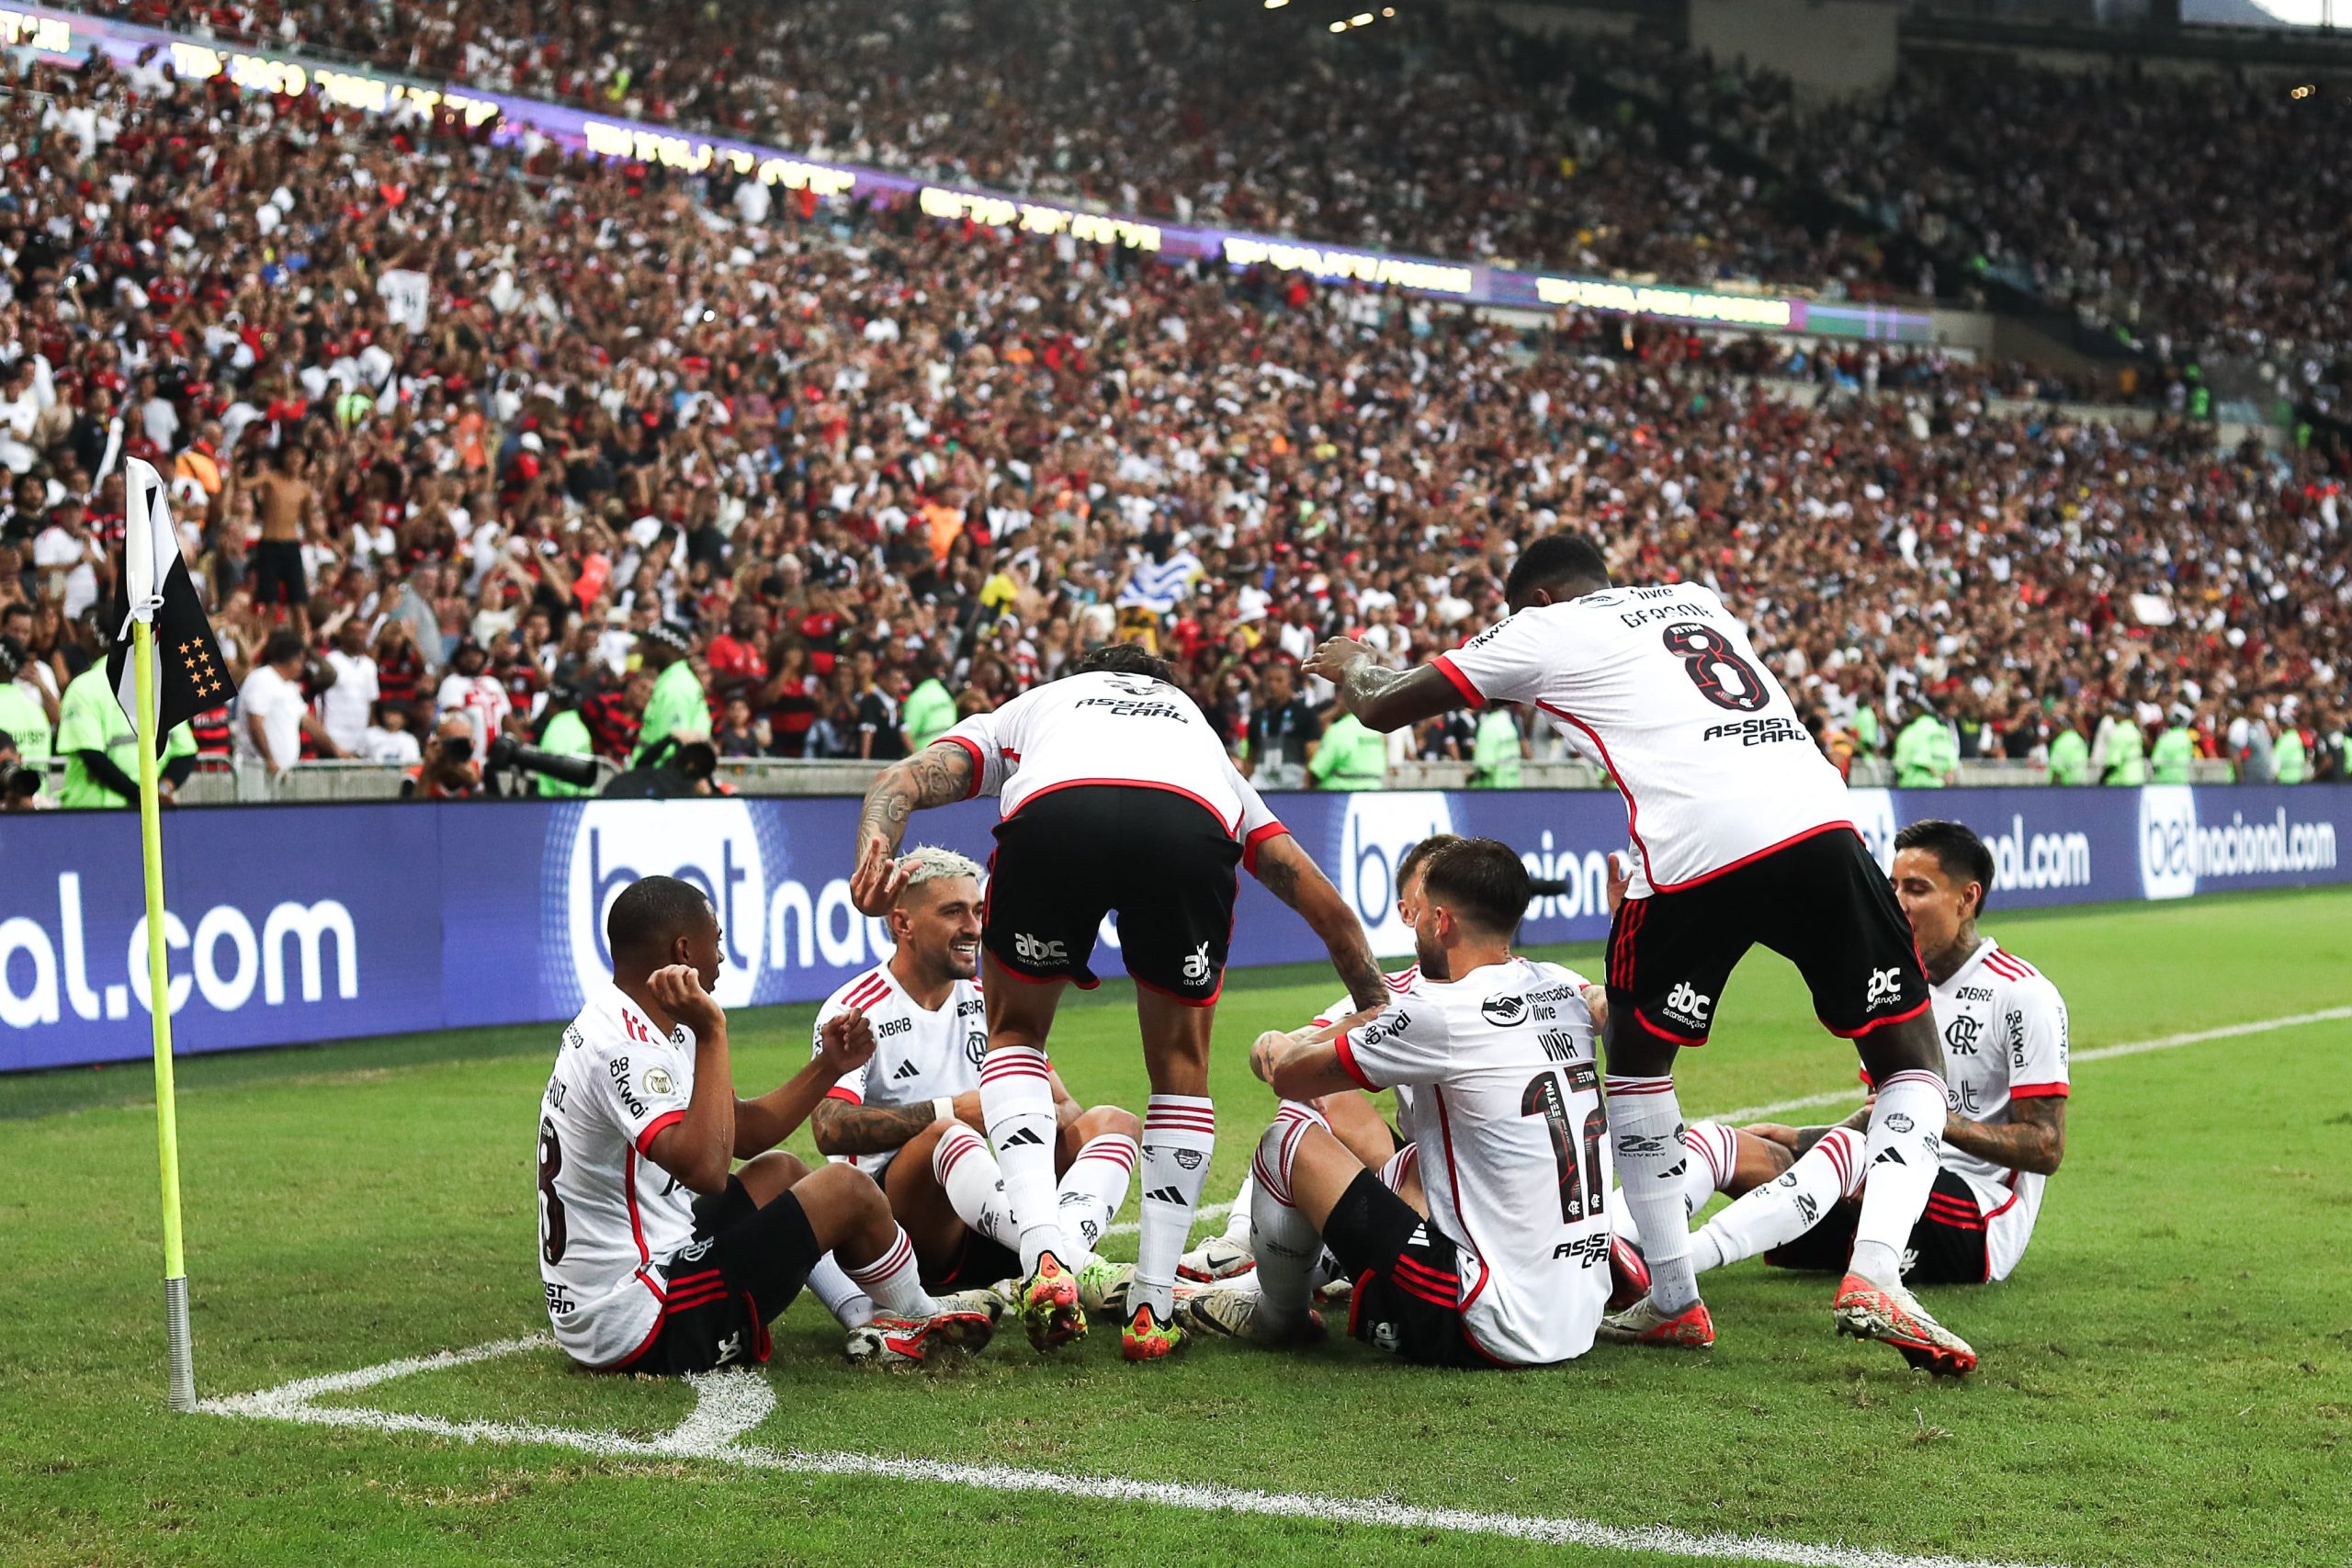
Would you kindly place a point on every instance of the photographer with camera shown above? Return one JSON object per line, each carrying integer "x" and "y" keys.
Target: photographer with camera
{"x": 22, "y": 718}
{"x": 451, "y": 770}
{"x": 20, "y": 785}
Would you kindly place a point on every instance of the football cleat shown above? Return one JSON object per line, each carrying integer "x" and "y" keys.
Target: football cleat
{"x": 1216, "y": 1258}
{"x": 1048, "y": 1305}
{"x": 1242, "y": 1314}
{"x": 1628, "y": 1276}
{"x": 1104, "y": 1287}
{"x": 1642, "y": 1324}
{"x": 1889, "y": 1315}
{"x": 987, "y": 1303}
{"x": 1146, "y": 1338}
{"x": 891, "y": 1341}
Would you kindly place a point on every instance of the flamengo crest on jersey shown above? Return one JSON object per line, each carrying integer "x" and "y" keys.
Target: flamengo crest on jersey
{"x": 1109, "y": 729}
{"x": 609, "y": 1217}
{"x": 1513, "y": 1145}
{"x": 2003, "y": 1025}
{"x": 919, "y": 1054}
{"x": 1661, "y": 687}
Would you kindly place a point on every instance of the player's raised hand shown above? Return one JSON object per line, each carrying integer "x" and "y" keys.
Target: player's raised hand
{"x": 679, "y": 991}
{"x": 875, "y": 886}
{"x": 845, "y": 1043}
{"x": 1333, "y": 659}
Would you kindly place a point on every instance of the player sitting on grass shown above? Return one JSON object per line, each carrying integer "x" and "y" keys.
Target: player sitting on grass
{"x": 1493, "y": 1060}
{"x": 2003, "y": 1031}
{"x": 909, "y": 1118}
{"x": 657, "y": 1259}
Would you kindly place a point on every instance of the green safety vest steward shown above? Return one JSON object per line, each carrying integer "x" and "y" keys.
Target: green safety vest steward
{"x": 1494, "y": 752}
{"x": 566, "y": 734}
{"x": 22, "y": 717}
{"x": 2127, "y": 755}
{"x": 2175, "y": 749}
{"x": 1924, "y": 753}
{"x": 676, "y": 707}
{"x": 1866, "y": 733}
{"x": 929, "y": 712}
{"x": 90, "y": 719}
{"x": 2070, "y": 758}
{"x": 2294, "y": 761}
{"x": 1351, "y": 757}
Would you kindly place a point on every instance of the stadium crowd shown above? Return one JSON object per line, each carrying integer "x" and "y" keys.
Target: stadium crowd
{"x": 2202, "y": 214}
{"x": 468, "y": 439}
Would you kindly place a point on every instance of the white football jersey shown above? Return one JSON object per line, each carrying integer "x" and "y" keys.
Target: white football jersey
{"x": 1405, "y": 982}
{"x": 1513, "y": 1147}
{"x": 1106, "y": 728}
{"x": 2004, "y": 1030}
{"x": 609, "y": 1217}
{"x": 1661, "y": 687}
{"x": 919, "y": 1054}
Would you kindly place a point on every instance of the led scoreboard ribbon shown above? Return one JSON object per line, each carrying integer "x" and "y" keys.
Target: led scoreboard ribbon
{"x": 69, "y": 34}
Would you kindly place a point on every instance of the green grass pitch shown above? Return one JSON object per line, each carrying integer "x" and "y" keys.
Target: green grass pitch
{"x": 2168, "y": 1379}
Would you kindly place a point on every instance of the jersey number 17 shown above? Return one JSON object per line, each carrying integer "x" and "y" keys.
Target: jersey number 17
{"x": 1582, "y": 1181}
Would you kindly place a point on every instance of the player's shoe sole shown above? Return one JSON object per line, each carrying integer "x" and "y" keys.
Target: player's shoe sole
{"x": 890, "y": 1340}
{"x": 1050, "y": 1314}
{"x": 1240, "y": 1315}
{"x": 1642, "y": 1324}
{"x": 1146, "y": 1338}
{"x": 1890, "y": 1315}
{"x": 1217, "y": 1258}
{"x": 1108, "y": 1292}
{"x": 1628, "y": 1276}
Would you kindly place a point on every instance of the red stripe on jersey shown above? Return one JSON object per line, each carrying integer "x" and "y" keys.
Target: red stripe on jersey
{"x": 1461, "y": 682}
{"x": 1453, "y": 1182}
{"x": 1347, "y": 1064}
{"x": 2037, "y": 1092}
{"x": 1632, "y": 812}
{"x": 1258, "y": 835}
{"x": 650, "y": 1335}
{"x": 653, "y": 1128}
{"x": 979, "y": 763}
{"x": 1402, "y": 981}
{"x": 866, "y": 992}
{"x": 2005, "y": 1208}
{"x": 636, "y": 1227}
{"x": 843, "y": 1091}
{"x": 2013, "y": 958}
{"x": 2005, "y": 971}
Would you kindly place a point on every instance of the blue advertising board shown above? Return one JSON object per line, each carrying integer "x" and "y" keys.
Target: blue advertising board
{"x": 295, "y": 924}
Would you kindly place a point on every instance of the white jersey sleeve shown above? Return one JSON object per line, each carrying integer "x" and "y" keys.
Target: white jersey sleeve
{"x": 981, "y": 735}
{"x": 1409, "y": 1043}
{"x": 1663, "y": 687}
{"x": 1259, "y": 822}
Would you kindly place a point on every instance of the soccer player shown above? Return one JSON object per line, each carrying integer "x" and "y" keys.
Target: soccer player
{"x": 1493, "y": 1057}
{"x": 2003, "y": 1031}
{"x": 655, "y": 1255}
{"x": 907, "y": 1118}
{"x": 1116, "y": 794}
{"x": 1741, "y": 834}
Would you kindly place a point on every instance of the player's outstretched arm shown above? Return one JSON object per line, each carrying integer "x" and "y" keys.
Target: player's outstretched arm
{"x": 697, "y": 1150}
{"x": 1297, "y": 880}
{"x": 1296, "y": 1069}
{"x": 1384, "y": 699}
{"x": 937, "y": 775}
{"x": 845, "y": 1044}
{"x": 841, "y": 1128}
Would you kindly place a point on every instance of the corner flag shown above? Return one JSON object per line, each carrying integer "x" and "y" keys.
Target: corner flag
{"x": 155, "y": 587}
{"x": 153, "y": 593}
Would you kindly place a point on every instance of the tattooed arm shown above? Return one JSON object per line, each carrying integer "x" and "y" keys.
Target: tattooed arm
{"x": 1384, "y": 699}
{"x": 936, "y": 776}
{"x": 2033, "y": 1138}
{"x": 841, "y": 1128}
{"x": 1291, "y": 877}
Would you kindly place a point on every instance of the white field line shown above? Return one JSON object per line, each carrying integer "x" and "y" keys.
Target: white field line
{"x": 730, "y": 1405}
{"x": 1849, "y": 1095}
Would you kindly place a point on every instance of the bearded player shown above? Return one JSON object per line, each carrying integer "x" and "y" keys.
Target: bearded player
{"x": 1741, "y": 834}
{"x": 1115, "y": 795}
{"x": 908, "y": 1117}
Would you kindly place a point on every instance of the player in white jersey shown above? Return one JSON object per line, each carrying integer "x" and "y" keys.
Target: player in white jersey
{"x": 2003, "y": 1031}
{"x": 908, "y": 1117}
{"x": 1741, "y": 835}
{"x": 1115, "y": 795}
{"x": 656, "y": 1255}
{"x": 1507, "y": 1267}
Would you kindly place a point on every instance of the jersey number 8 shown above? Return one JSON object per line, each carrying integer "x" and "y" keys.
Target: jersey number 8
{"x": 553, "y": 1235}
{"x": 1722, "y": 677}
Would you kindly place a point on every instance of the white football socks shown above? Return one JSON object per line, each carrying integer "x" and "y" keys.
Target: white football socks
{"x": 1717, "y": 1149}
{"x": 1906, "y": 1137}
{"x": 1236, "y": 1219}
{"x": 1781, "y": 1211}
{"x": 1286, "y": 1243}
{"x": 1178, "y": 1136}
{"x": 1096, "y": 1187}
{"x": 830, "y": 1285}
{"x": 1017, "y": 1099}
{"x": 894, "y": 1280}
{"x": 1645, "y": 1130}
{"x": 967, "y": 1173}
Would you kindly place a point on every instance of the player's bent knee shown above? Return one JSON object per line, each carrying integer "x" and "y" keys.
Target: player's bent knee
{"x": 1108, "y": 1122}
{"x": 842, "y": 1203}
{"x": 767, "y": 1174}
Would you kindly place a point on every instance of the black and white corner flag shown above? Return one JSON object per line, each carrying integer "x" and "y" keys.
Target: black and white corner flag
{"x": 154, "y": 586}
